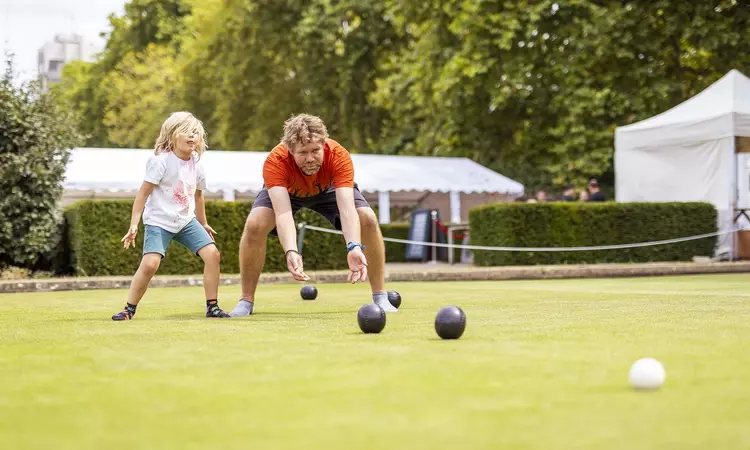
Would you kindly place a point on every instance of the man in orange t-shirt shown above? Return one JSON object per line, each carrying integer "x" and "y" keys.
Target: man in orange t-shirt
{"x": 309, "y": 170}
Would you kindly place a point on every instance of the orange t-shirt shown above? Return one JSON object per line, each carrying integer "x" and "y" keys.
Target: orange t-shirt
{"x": 281, "y": 170}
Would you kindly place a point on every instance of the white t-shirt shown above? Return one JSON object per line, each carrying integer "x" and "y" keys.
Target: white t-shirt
{"x": 172, "y": 203}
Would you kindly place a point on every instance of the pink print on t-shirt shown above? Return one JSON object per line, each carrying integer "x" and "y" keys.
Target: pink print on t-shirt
{"x": 182, "y": 194}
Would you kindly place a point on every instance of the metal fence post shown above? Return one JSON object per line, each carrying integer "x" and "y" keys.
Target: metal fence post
{"x": 433, "y": 213}
{"x": 301, "y": 236}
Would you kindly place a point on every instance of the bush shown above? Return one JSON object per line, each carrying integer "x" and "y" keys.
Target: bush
{"x": 14, "y": 273}
{"x": 94, "y": 230}
{"x": 590, "y": 224}
{"x": 35, "y": 137}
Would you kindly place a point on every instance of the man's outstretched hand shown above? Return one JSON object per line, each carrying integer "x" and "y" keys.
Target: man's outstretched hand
{"x": 357, "y": 265}
{"x": 294, "y": 265}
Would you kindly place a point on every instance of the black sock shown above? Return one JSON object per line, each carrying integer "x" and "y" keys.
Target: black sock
{"x": 211, "y": 304}
{"x": 130, "y": 308}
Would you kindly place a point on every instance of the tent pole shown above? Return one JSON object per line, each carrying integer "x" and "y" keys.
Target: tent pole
{"x": 455, "y": 203}
{"x": 384, "y": 207}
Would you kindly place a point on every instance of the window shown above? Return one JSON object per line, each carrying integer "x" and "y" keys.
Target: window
{"x": 55, "y": 66}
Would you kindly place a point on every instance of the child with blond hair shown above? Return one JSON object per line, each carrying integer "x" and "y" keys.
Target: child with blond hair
{"x": 171, "y": 201}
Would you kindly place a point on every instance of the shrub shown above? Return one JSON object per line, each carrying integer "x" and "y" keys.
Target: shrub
{"x": 35, "y": 137}
{"x": 95, "y": 227}
{"x": 591, "y": 224}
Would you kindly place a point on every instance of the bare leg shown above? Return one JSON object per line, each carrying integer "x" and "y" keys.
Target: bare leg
{"x": 211, "y": 270}
{"x": 211, "y": 274}
{"x": 372, "y": 239}
{"x": 146, "y": 271}
{"x": 253, "y": 255}
{"x": 149, "y": 265}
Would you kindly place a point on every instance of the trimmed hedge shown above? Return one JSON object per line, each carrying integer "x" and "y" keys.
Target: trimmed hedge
{"x": 590, "y": 224}
{"x": 94, "y": 229}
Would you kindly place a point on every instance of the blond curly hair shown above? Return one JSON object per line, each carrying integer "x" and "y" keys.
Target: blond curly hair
{"x": 303, "y": 129}
{"x": 181, "y": 122}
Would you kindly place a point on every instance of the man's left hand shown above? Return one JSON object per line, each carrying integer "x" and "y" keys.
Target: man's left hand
{"x": 357, "y": 265}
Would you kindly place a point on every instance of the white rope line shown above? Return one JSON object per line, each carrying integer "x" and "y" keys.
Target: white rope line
{"x": 539, "y": 249}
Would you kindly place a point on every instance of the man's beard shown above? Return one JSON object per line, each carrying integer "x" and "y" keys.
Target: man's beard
{"x": 310, "y": 170}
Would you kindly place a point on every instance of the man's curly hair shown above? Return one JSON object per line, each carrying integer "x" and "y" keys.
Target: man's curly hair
{"x": 303, "y": 129}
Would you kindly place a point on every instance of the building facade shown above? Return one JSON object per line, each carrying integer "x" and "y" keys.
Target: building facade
{"x": 61, "y": 50}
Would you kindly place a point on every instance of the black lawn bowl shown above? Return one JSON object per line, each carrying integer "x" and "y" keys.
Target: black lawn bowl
{"x": 450, "y": 322}
{"x": 395, "y": 298}
{"x": 371, "y": 318}
{"x": 309, "y": 292}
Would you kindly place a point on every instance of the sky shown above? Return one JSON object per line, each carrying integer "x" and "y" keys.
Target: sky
{"x": 25, "y": 25}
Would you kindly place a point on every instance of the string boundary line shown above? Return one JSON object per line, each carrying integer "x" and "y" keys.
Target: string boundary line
{"x": 539, "y": 249}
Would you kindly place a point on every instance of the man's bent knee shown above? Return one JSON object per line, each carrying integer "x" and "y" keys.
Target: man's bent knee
{"x": 259, "y": 223}
{"x": 367, "y": 218}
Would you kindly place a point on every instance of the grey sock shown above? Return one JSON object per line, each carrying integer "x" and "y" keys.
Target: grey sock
{"x": 380, "y": 296}
{"x": 244, "y": 308}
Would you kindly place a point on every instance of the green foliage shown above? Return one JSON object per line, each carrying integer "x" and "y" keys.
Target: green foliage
{"x": 591, "y": 224}
{"x": 266, "y": 60}
{"x": 96, "y": 227}
{"x": 248, "y": 88}
{"x": 140, "y": 94}
{"x": 533, "y": 90}
{"x": 133, "y": 77}
{"x": 35, "y": 138}
{"x": 519, "y": 86}
{"x": 147, "y": 22}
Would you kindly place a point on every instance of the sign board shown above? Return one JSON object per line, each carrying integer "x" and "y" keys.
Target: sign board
{"x": 420, "y": 230}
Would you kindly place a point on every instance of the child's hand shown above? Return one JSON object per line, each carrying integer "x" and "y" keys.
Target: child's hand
{"x": 210, "y": 230}
{"x": 129, "y": 238}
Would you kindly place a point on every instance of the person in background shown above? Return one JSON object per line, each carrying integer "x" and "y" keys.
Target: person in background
{"x": 569, "y": 194}
{"x": 596, "y": 194}
{"x": 584, "y": 196}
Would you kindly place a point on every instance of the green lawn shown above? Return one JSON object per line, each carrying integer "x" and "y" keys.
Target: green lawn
{"x": 542, "y": 365}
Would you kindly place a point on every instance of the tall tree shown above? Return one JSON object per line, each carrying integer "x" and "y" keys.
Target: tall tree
{"x": 341, "y": 50}
{"x": 267, "y": 60}
{"x": 144, "y": 22}
{"x": 141, "y": 92}
{"x": 243, "y": 84}
{"x": 535, "y": 89}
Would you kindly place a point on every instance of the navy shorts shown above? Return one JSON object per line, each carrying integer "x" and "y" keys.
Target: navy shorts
{"x": 193, "y": 237}
{"x": 323, "y": 204}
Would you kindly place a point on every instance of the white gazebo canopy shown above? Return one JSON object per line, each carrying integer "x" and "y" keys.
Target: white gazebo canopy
{"x": 688, "y": 152}
{"x": 105, "y": 170}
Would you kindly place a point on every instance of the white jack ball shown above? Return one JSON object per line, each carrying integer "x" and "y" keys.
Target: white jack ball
{"x": 647, "y": 373}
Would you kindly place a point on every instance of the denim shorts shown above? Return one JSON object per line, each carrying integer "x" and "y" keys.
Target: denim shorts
{"x": 193, "y": 237}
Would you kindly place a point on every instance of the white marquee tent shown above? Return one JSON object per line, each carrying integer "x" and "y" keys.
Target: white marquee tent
{"x": 118, "y": 173}
{"x": 688, "y": 152}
